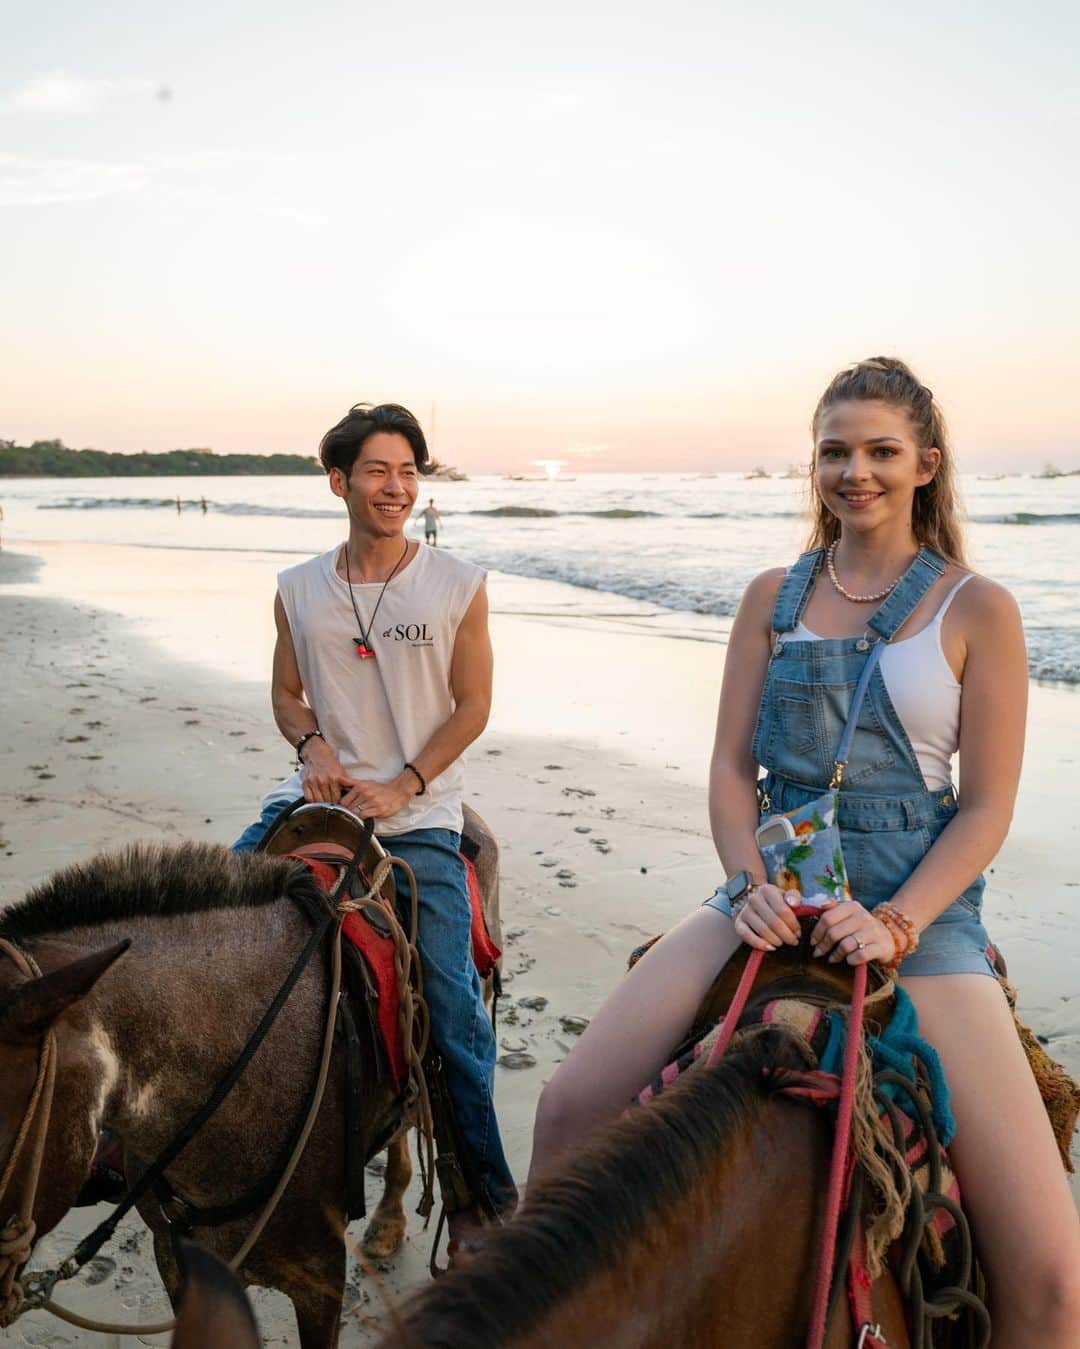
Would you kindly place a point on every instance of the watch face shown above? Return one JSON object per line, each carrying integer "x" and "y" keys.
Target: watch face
{"x": 737, "y": 885}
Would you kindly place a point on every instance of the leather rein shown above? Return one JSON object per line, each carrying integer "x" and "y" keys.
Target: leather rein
{"x": 17, "y": 1234}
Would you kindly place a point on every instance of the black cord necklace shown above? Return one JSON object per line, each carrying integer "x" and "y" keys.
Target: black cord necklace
{"x": 364, "y": 648}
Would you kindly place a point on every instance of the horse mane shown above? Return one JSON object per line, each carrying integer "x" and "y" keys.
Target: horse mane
{"x": 576, "y": 1222}
{"x": 155, "y": 881}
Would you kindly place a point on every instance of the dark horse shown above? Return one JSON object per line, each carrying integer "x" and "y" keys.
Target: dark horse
{"x": 143, "y": 1039}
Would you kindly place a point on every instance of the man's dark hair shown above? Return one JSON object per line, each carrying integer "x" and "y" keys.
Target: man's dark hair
{"x": 343, "y": 442}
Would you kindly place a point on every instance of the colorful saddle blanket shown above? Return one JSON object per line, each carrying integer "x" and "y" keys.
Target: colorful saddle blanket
{"x": 898, "y": 1049}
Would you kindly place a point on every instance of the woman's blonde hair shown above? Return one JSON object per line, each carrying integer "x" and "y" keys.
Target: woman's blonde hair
{"x": 935, "y": 513}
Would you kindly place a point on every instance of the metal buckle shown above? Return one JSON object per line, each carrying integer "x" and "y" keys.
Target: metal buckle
{"x": 871, "y": 1329}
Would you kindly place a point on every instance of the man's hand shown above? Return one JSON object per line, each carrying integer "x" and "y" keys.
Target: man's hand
{"x": 322, "y": 776}
{"x": 377, "y": 800}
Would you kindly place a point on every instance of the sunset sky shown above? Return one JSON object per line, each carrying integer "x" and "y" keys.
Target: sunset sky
{"x": 637, "y": 237}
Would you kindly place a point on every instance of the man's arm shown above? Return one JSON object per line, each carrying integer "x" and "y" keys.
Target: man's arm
{"x": 322, "y": 776}
{"x": 470, "y": 680}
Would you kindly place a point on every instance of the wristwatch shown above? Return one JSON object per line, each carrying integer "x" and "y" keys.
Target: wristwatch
{"x": 738, "y": 887}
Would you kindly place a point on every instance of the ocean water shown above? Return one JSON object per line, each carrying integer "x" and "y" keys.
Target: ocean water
{"x": 683, "y": 545}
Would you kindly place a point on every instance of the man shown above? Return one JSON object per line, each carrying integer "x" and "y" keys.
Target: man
{"x": 381, "y": 679}
{"x": 432, "y": 521}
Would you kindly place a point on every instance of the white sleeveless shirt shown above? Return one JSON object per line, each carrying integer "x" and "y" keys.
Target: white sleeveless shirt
{"x": 923, "y": 690}
{"x": 378, "y": 714}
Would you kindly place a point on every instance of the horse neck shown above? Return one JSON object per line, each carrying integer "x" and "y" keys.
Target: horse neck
{"x": 168, "y": 1019}
{"x": 732, "y": 1264}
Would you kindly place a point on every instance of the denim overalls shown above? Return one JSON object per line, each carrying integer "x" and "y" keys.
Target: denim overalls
{"x": 888, "y": 818}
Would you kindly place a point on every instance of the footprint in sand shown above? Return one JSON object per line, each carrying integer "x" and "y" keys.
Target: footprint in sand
{"x": 568, "y": 885}
{"x": 564, "y": 875}
{"x": 98, "y": 1270}
{"x": 513, "y": 934}
{"x": 534, "y": 1002}
{"x": 74, "y": 711}
{"x": 493, "y": 751}
{"x": 192, "y": 721}
{"x": 91, "y": 756}
{"x": 601, "y": 845}
{"x": 553, "y": 768}
{"x": 76, "y": 739}
{"x": 582, "y": 829}
{"x": 550, "y": 862}
{"x": 150, "y": 698}
{"x": 45, "y": 776}
{"x": 573, "y": 1025}
{"x": 37, "y": 767}
{"x": 553, "y": 910}
{"x": 517, "y": 1060}
{"x": 185, "y": 709}
{"x": 578, "y": 791}
{"x": 94, "y": 725}
{"x": 252, "y": 749}
{"x": 513, "y": 1046}
{"x": 238, "y": 732}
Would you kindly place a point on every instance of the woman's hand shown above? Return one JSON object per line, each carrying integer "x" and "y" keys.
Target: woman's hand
{"x": 766, "y": 920}
{"x": 847, "y": 931}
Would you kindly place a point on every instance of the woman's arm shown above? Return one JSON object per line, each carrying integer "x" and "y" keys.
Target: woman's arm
{"x": 766, "y": 919}
{"x": 733, "y": 807}
{"x": 993, "y": 712}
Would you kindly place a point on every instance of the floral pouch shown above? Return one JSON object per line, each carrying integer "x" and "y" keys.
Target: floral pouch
{"x": 812, "y": 862}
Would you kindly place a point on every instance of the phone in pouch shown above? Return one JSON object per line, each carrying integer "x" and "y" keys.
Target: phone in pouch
{"x": 776, "y": 829}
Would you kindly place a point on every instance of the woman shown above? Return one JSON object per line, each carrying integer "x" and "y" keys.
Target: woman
{"x": 887, "y": 566}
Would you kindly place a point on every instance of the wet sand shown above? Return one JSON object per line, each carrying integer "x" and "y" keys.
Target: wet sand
{"x": 137, "y": 707}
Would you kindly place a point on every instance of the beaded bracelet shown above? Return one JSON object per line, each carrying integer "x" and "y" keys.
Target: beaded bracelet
{"x": 904, "y": 933}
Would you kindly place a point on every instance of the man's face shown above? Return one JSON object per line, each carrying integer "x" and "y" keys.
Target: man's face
{"x": 382, "y": 485}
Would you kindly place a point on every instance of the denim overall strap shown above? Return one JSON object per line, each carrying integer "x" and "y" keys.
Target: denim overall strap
{"x": 906, "y": 594}
{"x": 843, "y": 750}
{"x": 795, "y": 590}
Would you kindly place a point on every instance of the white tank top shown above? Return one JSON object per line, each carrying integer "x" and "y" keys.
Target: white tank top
{"x": 923, "y": 689}
{"x": 379, "y": 714}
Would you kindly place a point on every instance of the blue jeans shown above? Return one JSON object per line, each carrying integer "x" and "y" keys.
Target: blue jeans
{"x": 460, "y": 1027}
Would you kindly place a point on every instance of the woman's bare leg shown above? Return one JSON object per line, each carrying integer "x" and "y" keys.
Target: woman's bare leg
{"x": 631, "y": 1038}
{"x": 1012, "y": 1182}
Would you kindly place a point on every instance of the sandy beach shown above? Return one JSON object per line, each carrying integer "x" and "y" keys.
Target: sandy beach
{"x": 137, "y": 707}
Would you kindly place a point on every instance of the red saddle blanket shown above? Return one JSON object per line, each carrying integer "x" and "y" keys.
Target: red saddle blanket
{"x": 377, "y": 950}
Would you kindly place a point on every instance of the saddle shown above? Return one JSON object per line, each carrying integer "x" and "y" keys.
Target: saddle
{"x": 326, "y": 838}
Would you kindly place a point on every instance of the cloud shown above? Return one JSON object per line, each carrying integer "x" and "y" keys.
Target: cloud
{"x": 59, "y": 92}
{"x": 46, "y": 182}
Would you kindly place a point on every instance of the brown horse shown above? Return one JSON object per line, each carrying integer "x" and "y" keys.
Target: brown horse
{"x": 142, "y": 1040}
{"x": 212, "y": 1312}
{"x": 693, "y": 1221}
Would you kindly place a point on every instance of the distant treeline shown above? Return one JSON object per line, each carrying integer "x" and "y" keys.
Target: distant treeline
{"x": 53, "y": 459}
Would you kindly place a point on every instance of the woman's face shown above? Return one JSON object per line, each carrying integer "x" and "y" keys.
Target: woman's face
{"x": 868, "y": 464}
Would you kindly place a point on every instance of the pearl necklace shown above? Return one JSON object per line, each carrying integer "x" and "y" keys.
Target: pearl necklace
{"x": 830, "y": 567}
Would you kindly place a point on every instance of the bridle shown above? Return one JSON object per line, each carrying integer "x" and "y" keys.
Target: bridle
{"x": 17, "y": 1233}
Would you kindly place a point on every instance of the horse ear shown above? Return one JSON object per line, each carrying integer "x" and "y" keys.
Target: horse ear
{"x": 33, "y": 1007}
{"x": 213, "y": 1312}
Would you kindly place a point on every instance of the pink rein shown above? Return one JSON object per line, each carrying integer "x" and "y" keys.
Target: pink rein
{"x": 842, "y": 1137}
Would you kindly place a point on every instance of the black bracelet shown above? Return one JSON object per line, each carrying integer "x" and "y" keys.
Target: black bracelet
{"x": 308, "y": 735}
{"x": 419, "y": 777}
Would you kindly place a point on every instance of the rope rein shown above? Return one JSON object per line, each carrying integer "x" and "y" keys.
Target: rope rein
{"x": 17, "y": 1234}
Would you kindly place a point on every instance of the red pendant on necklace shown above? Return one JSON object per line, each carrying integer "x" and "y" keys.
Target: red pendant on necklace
{"x": 363, "y": 650}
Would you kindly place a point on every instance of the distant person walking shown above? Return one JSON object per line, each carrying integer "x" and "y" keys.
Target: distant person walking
{"x": 178, "y": 504}
{"x": 203, "y": 504}
{"x": 432, "y": 521}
